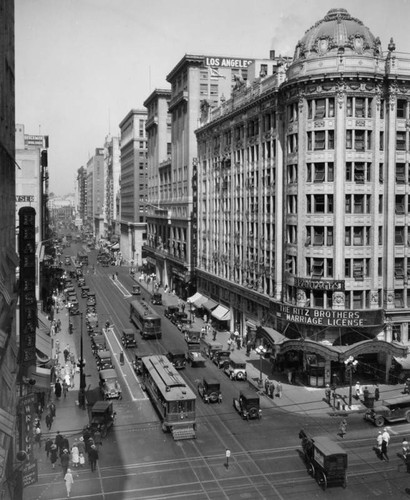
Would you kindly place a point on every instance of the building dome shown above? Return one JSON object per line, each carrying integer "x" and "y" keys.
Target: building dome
{"x": 337, "y": 33}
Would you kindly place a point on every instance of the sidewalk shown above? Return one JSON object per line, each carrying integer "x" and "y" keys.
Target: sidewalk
{"x": 296, "y": 398}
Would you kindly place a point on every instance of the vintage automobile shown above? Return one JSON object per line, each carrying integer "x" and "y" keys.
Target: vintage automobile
{"x": 91, "y": 320}
{"x": 236, "y": 368}
{"x": 136, "y": 290}
{"x": 389, "y": 410}
{"x": 156, "y": 299}
{"x": 91, "y": 300}
{"x": 128, "y": 338}
{"x": 102, "y": 416}
{"x": 177, "y": 358}
{"x": 74, "y": 307}
{"x": 109, "y": 386}
{"x": 84, "y": 291}
{"x": 81, "y": 282}
{"x": 325, "y": 460}
{"x": 178, "y": 317}
{"x": 104, "y": 360}
{"x": 67, "y": 261}
{"x": 170, "y": 311}
{"x": 221, "y": 358}
{"x": 183, "y": 324}
{"x": 210, "y": 347}
{"x": 98, "y": 343}
{"x": 248, "y": 405}
{"x": 90, "y": 309}
{"x": 192, "y": 336}
{"x": 210, "y": 390}
{"x": 194, "y": 355}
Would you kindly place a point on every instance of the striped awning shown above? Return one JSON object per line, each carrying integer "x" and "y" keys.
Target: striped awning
{"x": 200, "y": 301}
{"x": 221, "y": 313}
{"x": 209, "y": 305}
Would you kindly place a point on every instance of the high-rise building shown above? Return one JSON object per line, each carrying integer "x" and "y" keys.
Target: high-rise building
{"x": 133, "y": 184}
{"x": 302, "y": 194}
{"x": 81, "y": 208}
{"x": 112, "y": 166}
{"x": 159, "y": 193}
{"x": 197, "y": 84}
{"x": 96, "y": 192}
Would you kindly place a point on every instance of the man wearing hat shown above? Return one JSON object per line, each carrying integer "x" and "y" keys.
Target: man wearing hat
{"x": 385, "y": 444}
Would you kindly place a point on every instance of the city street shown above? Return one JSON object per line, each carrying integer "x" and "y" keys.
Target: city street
{"x": 138, "y": 461}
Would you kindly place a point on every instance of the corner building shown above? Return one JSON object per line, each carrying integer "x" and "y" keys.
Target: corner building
{"x": 303, "y": 203}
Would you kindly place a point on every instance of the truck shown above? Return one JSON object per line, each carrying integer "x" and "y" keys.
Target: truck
{"x": 102, "y": 417}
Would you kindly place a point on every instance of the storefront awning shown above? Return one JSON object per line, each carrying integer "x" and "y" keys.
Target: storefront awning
{"x": 271, "y": 335}
{"x": 6, "y": 422}
{"x": 200, "y": 301}
{"x": 209, "y": 305}
{"x": 221, "y": 313}
{"x": 43, "y": 344}
{"x": 42, "y": 376}
{"x": 192, "y": 299}
{"x": 403, "y": 362}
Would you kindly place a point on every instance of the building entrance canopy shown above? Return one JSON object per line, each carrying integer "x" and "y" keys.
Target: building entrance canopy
{"x": 341, "y": 353}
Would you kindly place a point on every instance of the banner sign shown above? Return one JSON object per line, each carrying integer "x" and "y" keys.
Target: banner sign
{"x": 328, "y": 317}
{"x": 309, "y": 284}
{"x": 226, "y": 62}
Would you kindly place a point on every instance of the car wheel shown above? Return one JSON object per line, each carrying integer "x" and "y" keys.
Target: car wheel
{"x": 379, "y": 421}
{"x": 240, "y": 376}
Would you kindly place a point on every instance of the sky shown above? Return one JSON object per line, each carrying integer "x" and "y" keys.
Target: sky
{"x": 82, "y": 65}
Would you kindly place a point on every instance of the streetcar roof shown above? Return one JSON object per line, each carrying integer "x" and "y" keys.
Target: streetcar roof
{"x": 144, "y": 309}
{"x": 171, "y": 384}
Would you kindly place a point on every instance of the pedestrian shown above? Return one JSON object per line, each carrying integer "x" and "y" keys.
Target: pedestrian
{"x": 53, "y": 455}
{"x": 75, "y": 456}
{"x": 81, "y": 446}
{"x": 404, "y": 455}
{"x": 49, "y": 421}
{"x": 65, "y": 388}
{"x": 385, "y": 444}
{"x": 81, "y": 459}
{"x": 290, "y": 376}
{"x": 58, "y": 325}
{"x": 121, "y": 358}
{"x": 65, "y": 444}
{"x": 358, "y": 390}
{"x": 58, "y": 389}
{"x": 279, "y": 389}
{"x": 37, "y": 435}
{"x": 214, "y": 334}
{"x": 93, "y": 457}
{"x": 378, "y": 448}
{"x": 377, "y": 393}
{"x": 68, "y": 478}
{"x": 343, "y": 428}
{"x": 98, "y": 438}
{"x": 47, "y": 446}
{"x": 66, "y": 353}
{"x": 59, "y": 442}
{"x": 65, "y": 461}
{"x": 327, "y": 394}
{"x": 52, "y": 409}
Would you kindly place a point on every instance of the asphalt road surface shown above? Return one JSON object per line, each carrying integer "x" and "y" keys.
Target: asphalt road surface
{"x": 139, "y": 461}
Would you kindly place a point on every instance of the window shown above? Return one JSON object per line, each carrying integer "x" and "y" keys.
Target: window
{"x": 359, "y": 137}
{"x": 399, "y": 205}
{"x": 400, "y": 173}
{"x": 348, "y": 237}
{"x": 331, "y": 113}
{"x": 359, "y": 107}
{"x": 203, "y": 89}
{"x": 349, "y": 136}
{"x": 320, "y": 140}
{"x": 399, "y": 235}
{"x": 401, "y": 141}
{"x": 401, "y": 108}
{"x": 318, "y": 236}
{"x": 359, "y": 173}
{"x": 317, "y": 268}
{"x": 330, "y": 139}
{"x": 349, "y": 106}
{"x": 319, "y": 203}
{"x": 381, "y": 145}
{"x": 398, "y": 299}
{"x": 359, "y": 203}
{"x": 358, "y": 236}
{"x": 330, "y": 172}
{"x": 319, "y": 172}
{"x": 399, "y": 269}
{"x": 320, "y": 108}
{"x": 358, "y": 273}
{"x": 309, "y": 141}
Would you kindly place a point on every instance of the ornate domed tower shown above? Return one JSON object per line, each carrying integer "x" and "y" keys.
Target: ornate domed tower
{"x": 347, "y": 244}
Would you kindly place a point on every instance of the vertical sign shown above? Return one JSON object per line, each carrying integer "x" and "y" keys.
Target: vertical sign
{"x": 28, "y": 306}
{"x": 26, "y": 411}
{"x": 194, "y": 215}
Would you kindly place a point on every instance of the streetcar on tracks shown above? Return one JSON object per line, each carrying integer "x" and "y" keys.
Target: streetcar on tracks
{"x": 145, "y": 319}
{"x": 325, "y": 460}
{"x": 170, "y": 394}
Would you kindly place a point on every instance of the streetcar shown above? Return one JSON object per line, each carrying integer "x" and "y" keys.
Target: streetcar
{"x": 146, "y": 320}
{"x": 82, "y": 258}
{"x": 171, "y": 396}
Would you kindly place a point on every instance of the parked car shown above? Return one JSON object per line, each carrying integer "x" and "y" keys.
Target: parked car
{"x": 221, "y": 357}
{"x": 170, "y": 311}
{"x": 67, "y": 261}
{"x": 248, "y": 405}
{"x": 178, "y": 317}
{"x": 91, "y": 300}
{"x": 81, "y": 282}
{"x": 210, "y": 347}
{"x": 98, "y": 343}
{"x": 84, "y": 291}
{"x": 109, "y": 386}
{"x": 195, "y": 358}
{"x": 128, "y": 338}
{"x": 236, "y": 368}
{"x": 177, "y": 358}
{"x": 136, "y": 290}
{"x": 210, "y": 390}
{"x": 104, "y": 360}
{"x": 156, "y": 299}
{"x": 183, "y": 324}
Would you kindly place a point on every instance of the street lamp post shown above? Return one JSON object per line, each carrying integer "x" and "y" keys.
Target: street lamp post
{"x": 261, "y": 351}
{"x": 81, "y": 363}
{"x": 350, "y": 364}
